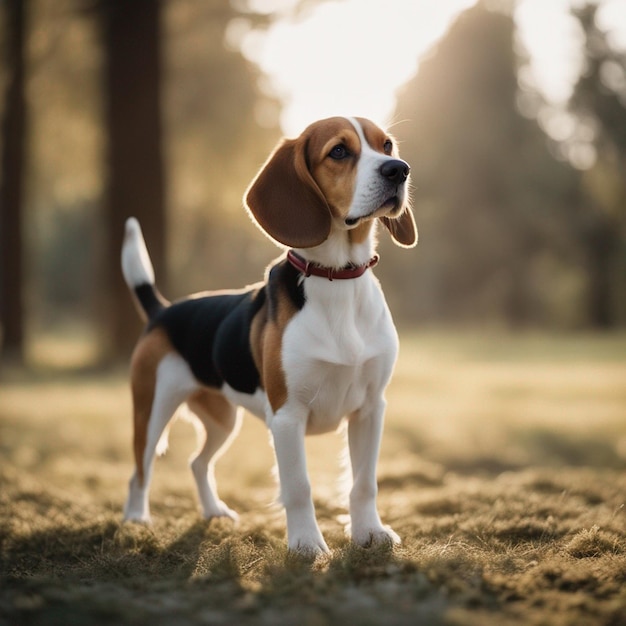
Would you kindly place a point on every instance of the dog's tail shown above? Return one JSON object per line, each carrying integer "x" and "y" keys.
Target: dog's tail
{"x": 139, "y": 273}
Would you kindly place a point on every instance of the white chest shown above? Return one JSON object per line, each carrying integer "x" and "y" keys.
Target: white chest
{"x": 339, "y": 349}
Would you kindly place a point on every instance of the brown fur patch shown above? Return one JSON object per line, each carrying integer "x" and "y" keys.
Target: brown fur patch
{"x": 335, "y": 178}
{"x": 273, "y": 371}
{"x": 149, "y": 352}
{"x": 257, "y": 337}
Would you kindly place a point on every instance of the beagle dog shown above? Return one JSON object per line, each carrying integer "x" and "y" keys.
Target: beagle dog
{"x": 311, "y": 346}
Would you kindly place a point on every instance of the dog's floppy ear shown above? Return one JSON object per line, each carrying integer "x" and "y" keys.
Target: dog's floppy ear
{"x": 402, "y": 228}
{"x": 285, "y": 200}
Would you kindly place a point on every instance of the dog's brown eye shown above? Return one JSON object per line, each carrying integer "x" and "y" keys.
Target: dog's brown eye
{"x": 338, "y": 152}
{"x": 388, "y": 146}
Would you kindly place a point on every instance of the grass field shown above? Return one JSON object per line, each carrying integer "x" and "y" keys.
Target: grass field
{"x": 503, "y": 469}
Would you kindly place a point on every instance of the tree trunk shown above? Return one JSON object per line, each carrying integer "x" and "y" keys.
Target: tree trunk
{"x": 136, "y": 181}
{"x": 602, "y": 242}
{"x": 11, "y": 188}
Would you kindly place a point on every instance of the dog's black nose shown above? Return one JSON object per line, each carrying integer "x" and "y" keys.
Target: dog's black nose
{"x": 395, "y": 170}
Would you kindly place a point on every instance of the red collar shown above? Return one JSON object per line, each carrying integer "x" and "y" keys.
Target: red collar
{"x": 312, "y": 269}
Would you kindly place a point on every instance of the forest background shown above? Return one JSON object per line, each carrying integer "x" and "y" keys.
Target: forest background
{"x": 112, "y": 109}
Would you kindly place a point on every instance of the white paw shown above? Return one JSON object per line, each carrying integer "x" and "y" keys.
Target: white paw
{"x": 312, "y": 545}
{"x": 138, "y": 517}
{"x": 375, "y": 536}
{"x": 221, "y": 510}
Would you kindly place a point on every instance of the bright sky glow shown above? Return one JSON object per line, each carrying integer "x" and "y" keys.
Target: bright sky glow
{"x": 350, "y": 57}
{"x": 553, "y": 38}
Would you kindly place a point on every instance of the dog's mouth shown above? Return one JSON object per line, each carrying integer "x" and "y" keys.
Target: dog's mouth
{"x": 391, "y": 205}
{"x": 388, "y": 206}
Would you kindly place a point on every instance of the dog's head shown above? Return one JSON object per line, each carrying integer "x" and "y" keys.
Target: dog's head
{"x": 338, "y": 174}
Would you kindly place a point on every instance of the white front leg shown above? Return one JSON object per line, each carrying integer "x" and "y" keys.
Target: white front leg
{"x": 288, "y": 428}
{"x": 364, "y": 436}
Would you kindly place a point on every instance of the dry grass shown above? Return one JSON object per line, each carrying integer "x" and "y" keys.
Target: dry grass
{"x": 503, "y": 469}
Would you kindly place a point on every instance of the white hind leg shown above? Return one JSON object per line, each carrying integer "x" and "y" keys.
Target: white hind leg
{"x": 221, "y": 421}
{"x": 174, "y": 383}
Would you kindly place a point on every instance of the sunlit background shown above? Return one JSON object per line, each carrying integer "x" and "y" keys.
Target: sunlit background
{"x": 351, "y": 57}
{"x": 510, "y": 113}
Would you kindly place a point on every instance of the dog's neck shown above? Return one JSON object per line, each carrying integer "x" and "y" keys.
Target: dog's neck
{"x": 344, "y": 247}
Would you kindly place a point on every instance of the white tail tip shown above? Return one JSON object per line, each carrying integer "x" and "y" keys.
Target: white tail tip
{"x": 136, "y": 265}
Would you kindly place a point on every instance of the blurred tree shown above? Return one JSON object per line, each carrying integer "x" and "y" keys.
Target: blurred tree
{"x": 599, "y": 103}
{"x": 13, "y": 133}
{"x": 135, "y": 173}
{"x": 487, "y": 187}
{"x": 216, "y": 126}
{"x": 220, "y": 127}
{"x": 64, "y": 180}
